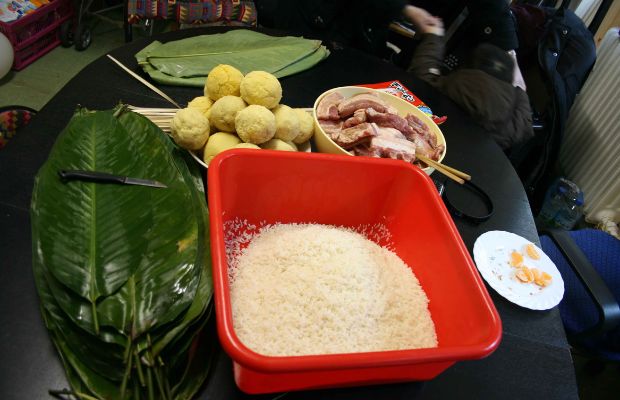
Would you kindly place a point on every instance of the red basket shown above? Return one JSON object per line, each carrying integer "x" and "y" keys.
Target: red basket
{"x": 297, "y": 187}
{"x": 37, "y": 33}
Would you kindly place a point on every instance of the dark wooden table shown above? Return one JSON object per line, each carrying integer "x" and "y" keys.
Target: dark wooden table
{"x": 533, "y": 360}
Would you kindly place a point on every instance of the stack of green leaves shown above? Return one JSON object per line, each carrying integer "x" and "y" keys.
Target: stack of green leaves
{"x": 187, "y": 62}
{"x": 122, "y": 271}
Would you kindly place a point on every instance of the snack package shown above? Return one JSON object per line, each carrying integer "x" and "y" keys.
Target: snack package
{"x": 15, "y": 9}
{"x": 399, "y": 90}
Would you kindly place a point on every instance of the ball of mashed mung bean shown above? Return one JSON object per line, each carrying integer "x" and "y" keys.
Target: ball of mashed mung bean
{"x": 279, "y": 144}
{"x": 217, "y": 143}
{"x": 261, "y": 88}
{"x": 247, "y": 146}
{"x": 306, "y": 126}
{"x": 287, "y": 123}
{"x": 190, "y": 128}
{"x": 201, "y": 103}
{"x": 255, "y": 124}
{"x": 223, "y": 112}
{"x": 223, "y": 80}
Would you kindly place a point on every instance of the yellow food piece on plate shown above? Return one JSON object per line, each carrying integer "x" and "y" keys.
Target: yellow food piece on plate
{"x": 541, "y": 278}
{"x": 531, "y": 251}
{"x": 516, "y": 259}
{"x": 525, "y": 275}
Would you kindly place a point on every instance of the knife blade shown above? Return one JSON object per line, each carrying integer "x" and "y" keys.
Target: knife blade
{"x": 104, "y": 177}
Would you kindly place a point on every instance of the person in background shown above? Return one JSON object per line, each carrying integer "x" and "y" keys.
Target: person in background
{"x": 362, "y": 24}
{"x": 483, "y": 86}
{"x": 473, "y": 22}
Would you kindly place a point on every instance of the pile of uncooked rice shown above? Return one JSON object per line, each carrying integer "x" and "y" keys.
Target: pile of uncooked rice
{"x": 300, "y": 289}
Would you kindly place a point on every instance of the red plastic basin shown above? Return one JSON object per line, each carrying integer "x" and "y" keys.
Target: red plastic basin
{"x": 294, "y": 187}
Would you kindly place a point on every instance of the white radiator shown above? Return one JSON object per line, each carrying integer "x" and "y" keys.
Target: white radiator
{"x": 590, "y": 153}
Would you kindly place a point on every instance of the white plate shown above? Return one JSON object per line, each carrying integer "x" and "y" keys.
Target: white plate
{"x": 492, "y": 255}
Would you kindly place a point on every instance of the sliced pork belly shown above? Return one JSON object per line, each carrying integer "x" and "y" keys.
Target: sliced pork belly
{"x": 398, "y": 149}
{"x": 330, "y": 127}
{"x": 424, "y": 148}
{"x": 365, "y": 151}
{"x": 391, "y": 133}
{"x": 421, "y": 129}
{"x": 359, "y": 116}
{"x": 390, "y": 121}
{"x": 328, "y": 107}
{"x": 361, "y": 101}
{"x": 350, "y": 137}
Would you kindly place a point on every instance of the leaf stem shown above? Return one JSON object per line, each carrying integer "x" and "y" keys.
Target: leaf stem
{"x": 79, "y": 395}
{"x": 127, "y": 371}
{"x": 149, "y": 384}
{"x": 139, "y": 369}
{"x": 95, "y": 318}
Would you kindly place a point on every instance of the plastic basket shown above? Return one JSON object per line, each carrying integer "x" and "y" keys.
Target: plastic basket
{"x": 37, "y": 33}
{"x": 295, "y": 187}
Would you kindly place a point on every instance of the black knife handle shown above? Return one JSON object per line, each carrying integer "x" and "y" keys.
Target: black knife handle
{"x": 90, "y": 176}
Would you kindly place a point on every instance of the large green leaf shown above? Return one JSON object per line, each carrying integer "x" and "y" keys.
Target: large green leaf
{"x": 165, "y": 282}
{"x": 133, "y": 340}
{"x": 54, "y": 318}
{"x": 187, "y": 62}
{"x": 86, "y": 225}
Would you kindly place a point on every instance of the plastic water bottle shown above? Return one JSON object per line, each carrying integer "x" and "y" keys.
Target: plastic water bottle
{"x": 568, "y": 216}
{"x": 554, "y": 202}
{"x": 563, "y": 205}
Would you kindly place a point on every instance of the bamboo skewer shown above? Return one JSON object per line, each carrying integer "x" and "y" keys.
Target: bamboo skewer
{"x": 144, "y": 81}
{"x": 450, "y": 172}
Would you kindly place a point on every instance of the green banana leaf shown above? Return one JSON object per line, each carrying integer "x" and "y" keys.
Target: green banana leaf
{"x": 187, "y": 62}
{"x": 168, "y": 291}
{"x": 53, "y": 315}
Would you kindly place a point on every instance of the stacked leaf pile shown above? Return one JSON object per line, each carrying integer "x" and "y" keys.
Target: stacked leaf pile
{"x": 123, "y": 271}
{"x": 187, "y": 62}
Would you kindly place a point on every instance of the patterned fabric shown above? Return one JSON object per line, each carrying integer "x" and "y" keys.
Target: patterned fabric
{"x": 577, "y": 308}
{"x": 11, "y": 119}
{"x": 150, "y": 9}
{"x": 213, "y": 12}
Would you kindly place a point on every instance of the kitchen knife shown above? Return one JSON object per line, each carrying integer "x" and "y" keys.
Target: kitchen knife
{"x": 103, "y": 177}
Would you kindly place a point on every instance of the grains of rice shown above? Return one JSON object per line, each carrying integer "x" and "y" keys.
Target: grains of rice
{"x": 300, "y": 289}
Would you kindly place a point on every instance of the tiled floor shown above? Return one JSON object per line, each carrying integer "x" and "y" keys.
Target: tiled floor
{"x": 38, "y": 82}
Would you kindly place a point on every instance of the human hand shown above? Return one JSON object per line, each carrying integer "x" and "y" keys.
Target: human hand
{"x": 423, "y": 20}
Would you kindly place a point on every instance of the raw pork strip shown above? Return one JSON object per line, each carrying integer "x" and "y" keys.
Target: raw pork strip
{"x": 328, "y": 107}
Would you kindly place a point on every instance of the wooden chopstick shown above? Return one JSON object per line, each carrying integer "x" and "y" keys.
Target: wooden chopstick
{"x": 144, "y": 81}
{"x": 452, "y": 173}
{"x": 455, "y": 171}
